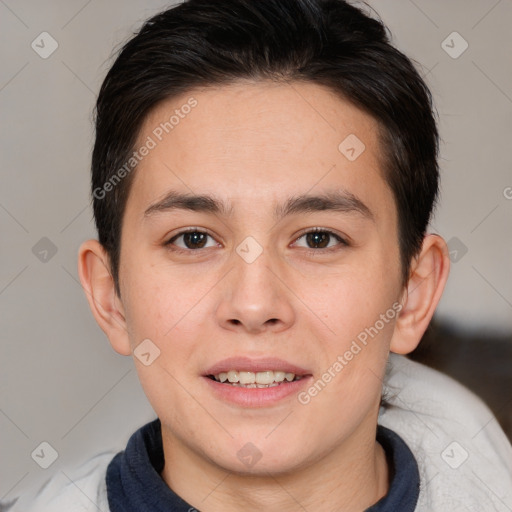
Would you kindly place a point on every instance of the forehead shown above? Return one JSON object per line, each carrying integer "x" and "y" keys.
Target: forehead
{"x": 260, "y": 140}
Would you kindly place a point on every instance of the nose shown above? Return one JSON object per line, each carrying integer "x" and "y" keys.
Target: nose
{"x": 255, "y": 296}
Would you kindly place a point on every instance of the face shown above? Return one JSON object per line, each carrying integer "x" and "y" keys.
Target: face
{"x": 287, "y": 262}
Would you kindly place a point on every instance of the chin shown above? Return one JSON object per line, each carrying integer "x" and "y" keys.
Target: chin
{"x": 260, "y": 467}
{"x": 260, "y": 456}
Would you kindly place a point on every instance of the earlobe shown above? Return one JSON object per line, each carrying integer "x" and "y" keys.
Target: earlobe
{"x": 98, "y": 285}
{"x": 429, "y": 273}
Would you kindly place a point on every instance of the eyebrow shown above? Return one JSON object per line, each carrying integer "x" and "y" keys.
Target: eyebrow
{"x": 339, "y": 201}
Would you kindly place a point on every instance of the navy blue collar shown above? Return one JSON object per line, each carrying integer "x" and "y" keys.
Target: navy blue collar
{"x": 134, "y": 482}
{"x": 404, "y": 486}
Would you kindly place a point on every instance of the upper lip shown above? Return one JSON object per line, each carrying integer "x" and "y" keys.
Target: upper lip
{"x": 255, "y": 365}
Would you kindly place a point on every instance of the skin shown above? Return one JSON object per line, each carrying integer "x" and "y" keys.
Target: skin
{"x": 255, "y": 144}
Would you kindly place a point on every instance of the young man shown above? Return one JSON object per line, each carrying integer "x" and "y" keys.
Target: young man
{"x": 263, "y": 177}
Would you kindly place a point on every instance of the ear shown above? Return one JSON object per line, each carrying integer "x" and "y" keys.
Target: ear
{"x": 105, "y": 304}
{"x": 428, "y": 276}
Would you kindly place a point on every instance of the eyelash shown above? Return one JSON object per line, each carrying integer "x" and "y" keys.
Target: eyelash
{"x": 314, "y": 252}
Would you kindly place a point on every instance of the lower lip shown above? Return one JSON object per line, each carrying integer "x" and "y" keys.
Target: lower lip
{"x": 256, "y": 397}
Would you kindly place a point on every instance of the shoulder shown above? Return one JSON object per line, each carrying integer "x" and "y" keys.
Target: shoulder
{"x": 464, "y": 457}
{"x": 79, "y": 490}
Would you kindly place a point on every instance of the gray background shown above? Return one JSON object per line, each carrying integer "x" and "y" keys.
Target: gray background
{"x": 60, "y": 380}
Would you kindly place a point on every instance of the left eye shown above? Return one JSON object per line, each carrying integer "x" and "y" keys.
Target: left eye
{"x": 320, "y": 239}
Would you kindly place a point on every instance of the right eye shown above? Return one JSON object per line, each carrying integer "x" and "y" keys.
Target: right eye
{"x": 192, "y": 240}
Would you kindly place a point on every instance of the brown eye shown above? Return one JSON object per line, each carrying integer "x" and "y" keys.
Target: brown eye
{"x": 318, "y": 239}
{"x": 321, "y": 239}
{"x": 191, "y": 240}
{"x": 194, "y": 240}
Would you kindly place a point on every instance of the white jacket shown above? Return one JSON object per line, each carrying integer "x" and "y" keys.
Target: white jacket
{"x": 464, "y": 458}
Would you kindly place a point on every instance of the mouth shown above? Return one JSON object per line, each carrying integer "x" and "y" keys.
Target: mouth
{"x": 248, "y": 379}
{"x": 253, "y": 383}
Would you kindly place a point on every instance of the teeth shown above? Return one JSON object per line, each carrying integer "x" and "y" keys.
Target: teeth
{"x": 232, "y": 376}
{"x": 279, "y": 376}
{"x": 265, "y": 379}
{"x": 247, "y": 378}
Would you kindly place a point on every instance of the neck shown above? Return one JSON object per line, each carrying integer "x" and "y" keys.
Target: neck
{"x": 351, "y": 477}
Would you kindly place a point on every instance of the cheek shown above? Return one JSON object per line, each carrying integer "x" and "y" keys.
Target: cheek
{"x": 149, "y": 311}
{"x": 354, "y": 298}
{"x": 361, "y": 309}
{"x": 154, "y": 296}
{"x": 166, "y": 307}
{"x": 349, "y": 383}
{"x": 159, "y": 312}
